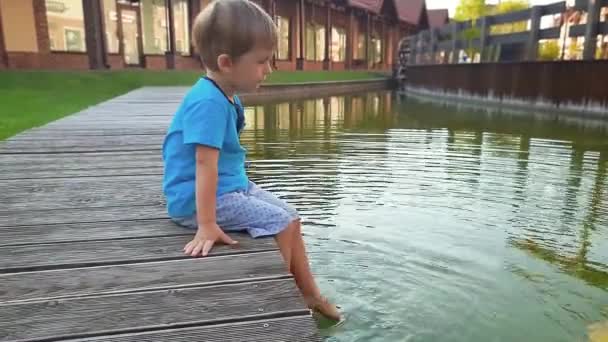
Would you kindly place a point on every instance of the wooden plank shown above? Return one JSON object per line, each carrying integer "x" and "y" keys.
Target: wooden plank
{"x": 90, "y": 316}
{"x": 554, "y": 8}
{"x": 72, "y": 232}
{"x": 20, "y": 144}
{"x": 66, "y": 193}
{"x": 577, "y": 30}
{"x": 603, "y": 27}
{"x": 445, "y": 45}
{"x": 89, "y": 132}
{"x": 581, "y": 4}
{"x": 124, "y": 170}
{"x": 511, "y": 38}
{"x": 104, "y": 252}
{"x": 82, "y": 143}
{"x": 550, "y": 33}
{"x": 82, "y": 215}
{"x": 54, "y": 165}
{"x": 297, "y": 329}
{"x": 521, "y": 15}
{"x": 76, "y": 282}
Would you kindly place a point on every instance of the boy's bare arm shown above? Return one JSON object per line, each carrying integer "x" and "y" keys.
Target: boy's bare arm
{"x": 206, "y": 184}
{"x": 208, "y": 232}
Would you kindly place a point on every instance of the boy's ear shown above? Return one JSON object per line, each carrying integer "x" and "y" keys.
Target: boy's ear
{"x": 224, "y": 62}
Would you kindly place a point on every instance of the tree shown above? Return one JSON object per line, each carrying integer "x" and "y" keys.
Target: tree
{"x": 475, "y": 9}
{"x": 470, "y": 10}
{"x": 509, "y": 6}
{"x": 548, "y": 51}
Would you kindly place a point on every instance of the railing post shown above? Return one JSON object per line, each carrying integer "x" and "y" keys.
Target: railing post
{"x": 593, "y": 19}
{"x": 433, "y": 47}
{"x": 483, "y": 39}
{"x": 421, "y": 48}
{"x": 426, "y": 47}
{"x": 532, "y": 46}
{"x": 454, "y": 59}
{"x": 413, "y": 49}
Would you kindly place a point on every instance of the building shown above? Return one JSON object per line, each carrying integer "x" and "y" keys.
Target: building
{"x": 438, "y": 18}
{"x": 155, "y": 34}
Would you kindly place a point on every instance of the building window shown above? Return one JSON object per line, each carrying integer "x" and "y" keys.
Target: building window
{"x": 110, "y": 23}
{"x": 181, "y": 27}
{"x": 66, "y": 25}
{"x": 360, "y": 52}
{"x": 338, "y": 44}
{"x": 376, "y": 50}
{"x": 283, "y": 37}
{"x": 315, "y": 42}
{"x": 154, "y": 26}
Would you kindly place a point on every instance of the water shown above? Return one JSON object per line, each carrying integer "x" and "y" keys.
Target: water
{"x": 427, "y": 223}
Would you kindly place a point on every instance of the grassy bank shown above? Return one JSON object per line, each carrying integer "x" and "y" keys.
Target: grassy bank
{"x": 33, "y": 98}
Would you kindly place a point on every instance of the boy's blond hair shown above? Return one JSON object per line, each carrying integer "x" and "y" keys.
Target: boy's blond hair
{"x": 231, "y": 27}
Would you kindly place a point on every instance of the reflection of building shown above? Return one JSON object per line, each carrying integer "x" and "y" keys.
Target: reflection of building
{"x": 99, "y": 34}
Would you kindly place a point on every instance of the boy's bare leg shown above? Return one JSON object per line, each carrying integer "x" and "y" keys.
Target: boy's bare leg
{"x": 300, "y": 268}
{"x": 284, "y": 240}
{"x": 300, "y": 264}
{"x": 292, "y": 248}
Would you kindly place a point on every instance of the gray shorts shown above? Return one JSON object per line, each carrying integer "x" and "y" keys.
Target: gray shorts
{"x": 256, "y": 211}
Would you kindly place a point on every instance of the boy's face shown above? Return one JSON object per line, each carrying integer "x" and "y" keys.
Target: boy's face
{"x": 251, "y": 69}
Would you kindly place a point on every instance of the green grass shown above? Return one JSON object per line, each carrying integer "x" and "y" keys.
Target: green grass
{"x": 34, "y": 98}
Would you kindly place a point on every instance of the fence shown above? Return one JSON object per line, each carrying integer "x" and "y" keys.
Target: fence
{"x": 450, "y": 39}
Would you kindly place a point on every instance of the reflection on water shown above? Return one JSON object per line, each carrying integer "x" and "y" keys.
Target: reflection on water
{"x": 431, "y": 223}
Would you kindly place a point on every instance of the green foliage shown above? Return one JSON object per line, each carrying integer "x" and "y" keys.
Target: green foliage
{"x": 508, "y": 7}
{"x": 470, "y": 10}
{"x": 548, "y": 51}
{"x": 575, "y": 50}
{"x": 474, "y": 9}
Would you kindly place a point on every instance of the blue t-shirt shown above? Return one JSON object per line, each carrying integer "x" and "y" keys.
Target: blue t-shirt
{"x": 207, "y": 117}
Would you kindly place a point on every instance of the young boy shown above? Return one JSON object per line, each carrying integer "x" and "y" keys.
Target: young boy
{"x": 205, "y": 182}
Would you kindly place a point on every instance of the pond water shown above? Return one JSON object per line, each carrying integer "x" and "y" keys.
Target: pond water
{"x": 433, "y": 223}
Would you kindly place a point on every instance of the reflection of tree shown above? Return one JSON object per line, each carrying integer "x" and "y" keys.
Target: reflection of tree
{"x": 459, "y": 144}
{"x": 523, "y": 158}
{"x": 578, "y": 265}
{"x": 574, "y": 183}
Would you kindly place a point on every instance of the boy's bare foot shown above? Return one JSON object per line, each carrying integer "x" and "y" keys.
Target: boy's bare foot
{"x": 324, "y": 307}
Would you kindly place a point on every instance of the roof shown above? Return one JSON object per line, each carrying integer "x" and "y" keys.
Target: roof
{"x": 409, "y": 11}
{"x": 370, "y": 5}
{"x": 438, "y": 17}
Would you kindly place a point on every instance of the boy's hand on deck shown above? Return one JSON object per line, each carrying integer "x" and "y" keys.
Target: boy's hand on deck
{"x": 206, "y": 236}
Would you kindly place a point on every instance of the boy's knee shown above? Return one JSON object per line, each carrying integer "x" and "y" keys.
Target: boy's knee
{"x": 296, "y": 226}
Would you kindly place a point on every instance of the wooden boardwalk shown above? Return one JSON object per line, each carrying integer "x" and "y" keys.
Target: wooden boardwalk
{"x": 87, "y": 252}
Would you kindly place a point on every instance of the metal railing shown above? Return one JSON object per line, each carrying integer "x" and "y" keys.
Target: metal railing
{"x": 425, "y": 46}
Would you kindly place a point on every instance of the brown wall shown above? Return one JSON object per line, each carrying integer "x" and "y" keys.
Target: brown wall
{"x": 338, "y": 66}
{"x": 55, "y": 60}
{"x": 156, "y": 62}
{"x": 286, "y": 8}
{"x": 187, "y": 63}
{"x": 313, "y": 65}
{"x": 558, "y": 82}
{"x": 268, "y": 93}
{"x": 18, "y": 24}
{"x": 27, "y": 44}
{"x": 3, "y": 56}
{"x": 115, "y": 61}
